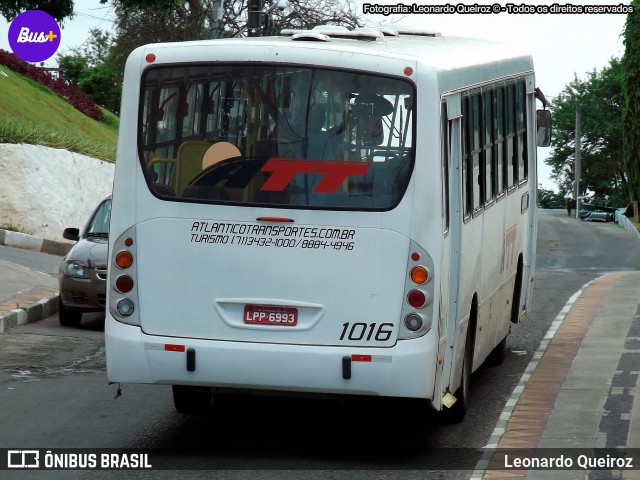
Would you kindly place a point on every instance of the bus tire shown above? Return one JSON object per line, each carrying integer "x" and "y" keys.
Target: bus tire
{"x": 458, "y": 410}
{"x": 187, "y": 399}
{"x": 496, "y": 357}
{"x": 517, "y": 290}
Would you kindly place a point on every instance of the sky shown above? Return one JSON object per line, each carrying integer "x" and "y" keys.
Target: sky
{"x": 562, "y": 45}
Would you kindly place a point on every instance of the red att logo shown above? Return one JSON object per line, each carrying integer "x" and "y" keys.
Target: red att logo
{"x": 334, "y": 173}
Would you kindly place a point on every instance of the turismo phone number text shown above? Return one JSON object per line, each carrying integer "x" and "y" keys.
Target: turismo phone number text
{"x": 247, "y": 240}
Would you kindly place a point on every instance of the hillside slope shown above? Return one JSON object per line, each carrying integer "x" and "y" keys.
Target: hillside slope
{"x": 32, "y": 113}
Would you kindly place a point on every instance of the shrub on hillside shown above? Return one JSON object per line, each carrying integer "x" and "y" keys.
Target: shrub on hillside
{"x": 68, "y": 92}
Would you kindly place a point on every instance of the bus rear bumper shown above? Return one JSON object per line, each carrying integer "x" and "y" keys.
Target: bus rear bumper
{"x": 405, "y": 370}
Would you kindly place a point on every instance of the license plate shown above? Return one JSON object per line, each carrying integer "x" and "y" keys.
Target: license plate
{"x": 269, "y": 315}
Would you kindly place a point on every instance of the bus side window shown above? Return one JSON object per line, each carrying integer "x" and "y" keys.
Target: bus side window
{"x": 489, "y": 151}
{"x": 467, "y": 183}
{"x": 521, "y": 131}
{"x": 476, "y": 154}
{"x": 501, "y": 168}
{"x": 446, "y": 147}
{"x": 512, "y": 159}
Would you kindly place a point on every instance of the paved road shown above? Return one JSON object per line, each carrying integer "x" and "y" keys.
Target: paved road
{"x": 54, "y": 393}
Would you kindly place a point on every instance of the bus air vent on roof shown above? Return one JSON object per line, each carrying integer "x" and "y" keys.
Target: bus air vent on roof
{"x": 324, "y": 33}
{"x": 406, "y": 30}
{"x": 388, "y": 31}
{"x": 308, "y": 35}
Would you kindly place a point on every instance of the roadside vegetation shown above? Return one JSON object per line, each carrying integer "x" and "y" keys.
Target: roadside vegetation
{"x": 15, "y": 228}
{"x": 31, "y": 112}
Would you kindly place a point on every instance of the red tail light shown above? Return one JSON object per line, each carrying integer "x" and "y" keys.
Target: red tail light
{"x": 416, "y": 298}
{"x": 124, "y": 283}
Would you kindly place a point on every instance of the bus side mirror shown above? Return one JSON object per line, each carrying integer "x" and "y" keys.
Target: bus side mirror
{"x": 543, "y": 133}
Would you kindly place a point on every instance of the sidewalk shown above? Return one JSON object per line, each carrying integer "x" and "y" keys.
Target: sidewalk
{"x": 27, "y": 296}
{"x": 578, "y": 392}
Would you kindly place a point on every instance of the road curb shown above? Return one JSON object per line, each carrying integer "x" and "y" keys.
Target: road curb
{"x": 33, "y": 312}
{"x": 501, "y": 427}
{"x": 31, "y": 242}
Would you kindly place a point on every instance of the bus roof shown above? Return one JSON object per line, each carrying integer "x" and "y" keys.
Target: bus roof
{"x": 448, "y": 57}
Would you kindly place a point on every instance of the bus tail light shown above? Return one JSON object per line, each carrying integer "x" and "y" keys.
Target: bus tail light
{"x": 419, "y": 274}
{"x": 124, "y": 259}
{"x": 122, "y": 296}
{"x": 417, "y": 308}
{"x": 125, "y": 307}
{"x": 124, "y": 284}
{"x": 416, "y": 298}
{"x": 413, "y": 322}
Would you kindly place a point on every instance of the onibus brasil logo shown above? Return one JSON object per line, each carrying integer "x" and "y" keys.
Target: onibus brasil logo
{"x": 34, "y": 36}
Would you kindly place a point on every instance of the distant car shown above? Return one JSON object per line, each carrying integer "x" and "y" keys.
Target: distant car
{"x": 598, "y": 216}
{"x": 83, "y": 272}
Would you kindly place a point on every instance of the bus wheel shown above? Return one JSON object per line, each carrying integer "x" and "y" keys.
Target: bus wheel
{"x": 517, "y": 289}
{"x": 456, "y": 413}
{"x": 496, "y": 357}
{"x": 188, "y": 399}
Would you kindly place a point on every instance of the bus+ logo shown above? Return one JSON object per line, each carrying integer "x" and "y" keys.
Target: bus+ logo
{"x": 34, "y": 36}
{"x": 333, "y": 173}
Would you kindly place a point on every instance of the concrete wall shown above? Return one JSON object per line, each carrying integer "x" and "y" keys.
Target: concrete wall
{"x": 44, "y": 190}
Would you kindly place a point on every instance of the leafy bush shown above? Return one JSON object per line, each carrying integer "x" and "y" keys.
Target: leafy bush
{"x": 62, "y": 89}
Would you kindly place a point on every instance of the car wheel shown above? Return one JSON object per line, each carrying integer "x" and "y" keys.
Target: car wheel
{"x": 67, "y": 317}
{"x": 187, "y": 399}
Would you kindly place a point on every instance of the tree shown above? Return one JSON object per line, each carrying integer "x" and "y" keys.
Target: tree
{"x": 631, "y": 113}
{"x": 141, "y": 22}
{"x": 600, "y": 97}
{"x": 86, "y": 67}
{"x": 58, "y": 9}
{"x": 300, "y": 14}
{"x": 550, "y": 199}
{"x": 98, "y": 68}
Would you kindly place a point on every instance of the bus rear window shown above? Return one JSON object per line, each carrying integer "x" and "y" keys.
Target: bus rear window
{"x": 276, "y": 136}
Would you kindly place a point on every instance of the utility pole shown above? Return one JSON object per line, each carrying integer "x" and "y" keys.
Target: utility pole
{"x": 216, "y": 25}
{"x": 577, "y": 162}
{"x": 254, "y": 18}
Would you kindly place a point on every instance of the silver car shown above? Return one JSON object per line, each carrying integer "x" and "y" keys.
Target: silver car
{"x": 83, "y": 272}
{"x": 597, "y": 216}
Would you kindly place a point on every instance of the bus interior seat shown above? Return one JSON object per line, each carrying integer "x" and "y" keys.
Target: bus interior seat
{"x": 188, "y": 163}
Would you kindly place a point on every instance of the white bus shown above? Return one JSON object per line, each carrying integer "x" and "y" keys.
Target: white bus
{"x": 327, "y": 211}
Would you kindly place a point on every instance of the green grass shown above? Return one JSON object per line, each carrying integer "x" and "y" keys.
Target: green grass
{"x": 32, "y": 113}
